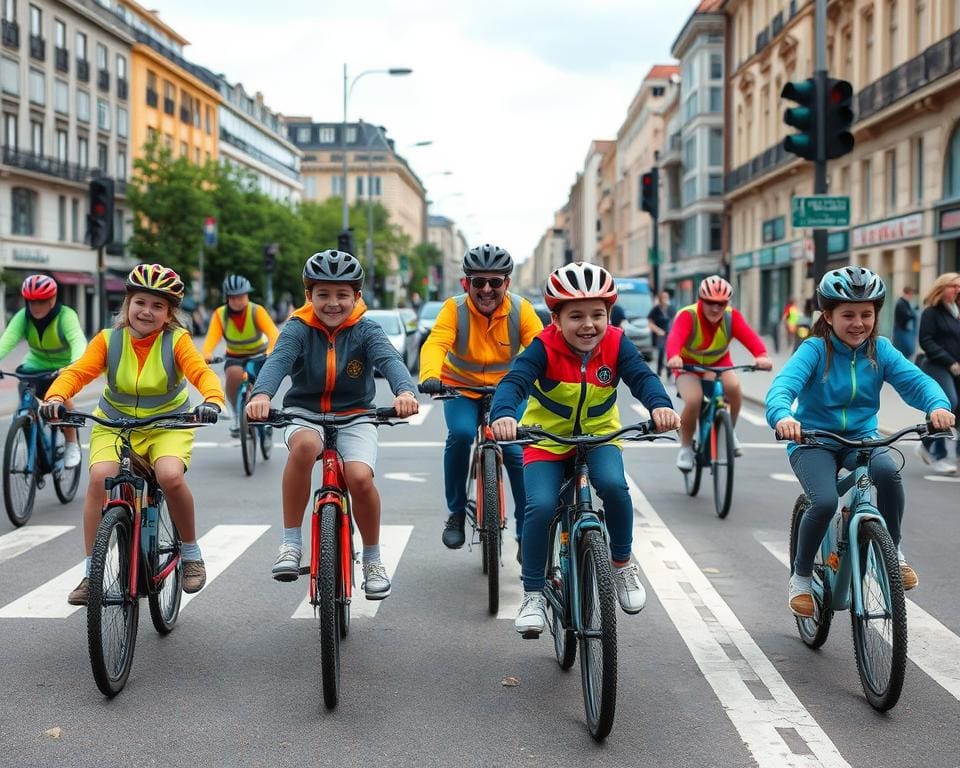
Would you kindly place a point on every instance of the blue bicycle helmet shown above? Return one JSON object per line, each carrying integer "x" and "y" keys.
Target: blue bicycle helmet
{"x": 236, "y": 285}
{"x": 851, "y": 284}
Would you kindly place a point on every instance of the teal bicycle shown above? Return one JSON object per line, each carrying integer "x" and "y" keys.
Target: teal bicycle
{"x": 857, "y": 569}
{"x": 250, "y": 434}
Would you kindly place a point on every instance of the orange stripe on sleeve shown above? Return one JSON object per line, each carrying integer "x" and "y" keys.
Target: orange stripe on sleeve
{"x": 197, "y": 372}
{"x": 77, "y": 375}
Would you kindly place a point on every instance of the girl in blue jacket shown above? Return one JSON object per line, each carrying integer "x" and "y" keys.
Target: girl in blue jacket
{"x": 836, "y": 376}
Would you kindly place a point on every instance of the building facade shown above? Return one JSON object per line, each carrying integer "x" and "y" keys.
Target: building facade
{"x": 449, "y": 240}
{"x": 606, "y": 254}
{"x": 590, "y": 198}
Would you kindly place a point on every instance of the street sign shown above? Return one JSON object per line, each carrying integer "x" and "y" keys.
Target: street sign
{"x": 821, "y": 211}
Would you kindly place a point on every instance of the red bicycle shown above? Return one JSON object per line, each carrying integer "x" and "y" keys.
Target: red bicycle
{"x": 331, "y": 536}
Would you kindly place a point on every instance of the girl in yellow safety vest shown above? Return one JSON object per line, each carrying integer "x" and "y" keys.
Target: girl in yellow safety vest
{"x": 147, "y": 357}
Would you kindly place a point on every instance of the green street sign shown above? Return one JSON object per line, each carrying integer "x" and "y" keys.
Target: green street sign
{"x": 821, "y": 211}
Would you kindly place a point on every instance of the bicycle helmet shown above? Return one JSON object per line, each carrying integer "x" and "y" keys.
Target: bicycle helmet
{"x": 579, "y": 280}
{"x": 333, "y": 267}
{"x": 715, "y": 288}
{"x": 487, "y": 258}
{"x": 38, "y": 288}
{"x": 850, "y": 284}
{"x": 156, "y": 279}
{"x": 236, "y": 285}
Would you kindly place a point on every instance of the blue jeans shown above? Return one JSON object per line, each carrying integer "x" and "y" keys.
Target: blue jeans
{"x": 816, "y": 469}
{"x": 542, "y": 480}
{"x": 462, "y": 414}
{"x": 947, "y": 382}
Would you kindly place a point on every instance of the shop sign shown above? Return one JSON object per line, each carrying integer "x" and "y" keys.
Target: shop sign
{"x": 743, "y": 261}
{"x": 890, "y": 231}
{"x": 28, "y": 256}
{"x": 783, "y": 254}
{"x": 949, "y": 220}
{"x": 766, "y": 257}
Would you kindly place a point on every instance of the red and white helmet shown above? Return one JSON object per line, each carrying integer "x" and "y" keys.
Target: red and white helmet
{"x": 38, "y": 288}
{"x": 715, "y": 288}
{"x": 579, "y": 280}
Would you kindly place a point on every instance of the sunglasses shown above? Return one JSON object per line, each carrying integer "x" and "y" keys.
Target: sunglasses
{"x": 494, "y": 282}
{"x": 714, "y": 303}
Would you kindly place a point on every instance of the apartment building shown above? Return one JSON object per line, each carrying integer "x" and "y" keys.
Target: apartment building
{"x": 447, "y": 237}
{"x": 590, "y": 197}
{"x": 606, "y": 254}
{"x": 903, "y": 177}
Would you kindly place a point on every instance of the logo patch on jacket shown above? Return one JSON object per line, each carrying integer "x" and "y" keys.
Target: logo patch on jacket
{"x": 354, "y": 369}
{"x": 604, "y": 374}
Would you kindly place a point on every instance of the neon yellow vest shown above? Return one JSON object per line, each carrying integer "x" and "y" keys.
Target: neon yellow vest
{"x": 249, "y": 340}
{"x": 158, "y": 388}
{"x": 52, "y": 346}
{"x": 696, "y": 349}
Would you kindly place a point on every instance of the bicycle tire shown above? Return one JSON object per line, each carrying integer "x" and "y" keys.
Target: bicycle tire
{"x": 266, "y": 442}
{"x": 813, "y": 631}
{"x": 111, "y": 651}
{"x": 598, "y": 618}
{"x": 165, "y": 602}
{"x": 343, "y": 605}
{"x": 248, "y": 444}
{"x": 491, "y": 527}
{"x": 564, "y": 639}
{"x": 722, "y": 463}
{"x": 327, "y": 609}
{"x": 691, "y": 479}
{"x": 18, "y": 495}
{"x": 66, "y": 481}
{"x": 881, "y": 678}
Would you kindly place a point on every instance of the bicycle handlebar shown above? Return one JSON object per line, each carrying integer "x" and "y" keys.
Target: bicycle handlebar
{"x": 811, "y": 436}
{"x": 186, "y": 420}
{"x": 245, "y": 358}
{"x": 288, "y": 416}
{"x": 30, "y": 376}
{"x": 696, "y": 368}
{"x": 448, "y": 391}
{"x": 643, "y": 431}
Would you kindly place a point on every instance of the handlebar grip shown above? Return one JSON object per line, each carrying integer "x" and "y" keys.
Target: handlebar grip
{"x": 386, "y": 413}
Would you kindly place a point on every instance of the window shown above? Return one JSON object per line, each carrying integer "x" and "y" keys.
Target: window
{"x": 892, "y": 33}
{"x": 36, "y": 138}
{"x": 61, "y": 96}
{"x": 866, "y": 189}
{"x": 36, "y": 21}
{"x": 123, "y": 122}
{"x": 921, "y": 37}
{"x": 103, "y": 114}
{"x": 62, "y": 145}
{"x": 716, "y": 232}
{"x": 122, "y": 164}
{"x": 890, "y": 168}
{"x": 689, "y": 191}
{"x": 62, "y": 218}
{"x": 196, "y": 155}
{"x": 847, "y": 35}
{"x": 10, "y": 76}
{"x": 102, "y": 153}
{"x": 60, "y": 33}
{"x": 168, "y": 141}
{"x": 23, "y": 209}
{"x": 207, "y": 120}
{"x": 9, "y": 10}
{"x": 716, "y": 99}
{"x": 184, "y": 150}
{"x": 716, "y": 66}
{"x": 917, "y": 181}
{"x": 10, "y": 131}
{"x": 83, "y": 152}
{"x": 75, "y": 220}
{"x": 868, "y": 47}
{"x": 715, "y": 185}
{"x": 375, "y": 188}
{"x": 101, "y": 56}
{"x": 716, "y": 146}
{"x": 37, "y": 87}
{"x": 659, "y": 90}
{"x": 327, "y": 135}
{"x": 83, "y": 106}
{"x": 351, "y": 135}
{"x": 151, "y": 80}
{"x": 121, "y": 66}
{"x": 118, "y": 225}
{"x": 303, "y": 135}
{"x": 81, "y": 46}
{"x": 359, "y": 186}
{"x": 690, "y": 107}
{"x": 690, "y": 153}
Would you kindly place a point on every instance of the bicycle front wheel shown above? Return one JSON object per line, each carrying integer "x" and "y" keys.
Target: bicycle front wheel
{"x": 691, "y": 479}
{"x": 491, "y": 527}
{"x": 598, "y": 641}
{"x": 66, "y": 481}
{"x": 722, "y": 462}
{"x": 112, "y": 614}
{"x": 19, "y": 480}
{"x": 165, "y": 601}
{"x": 813, "y": 631}
{"x": 880, "y": 631}
{"x": 266, "y": 442}
{"x": 248, "y": 443}
{"x": 327, "y": 599}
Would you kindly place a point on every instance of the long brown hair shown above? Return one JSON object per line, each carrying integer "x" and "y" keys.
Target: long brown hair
{"x": 123, "y": 316}
{"x": 824, "y": 330}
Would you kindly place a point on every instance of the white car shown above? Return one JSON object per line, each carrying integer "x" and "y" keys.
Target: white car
{"x": 400, "y": 335}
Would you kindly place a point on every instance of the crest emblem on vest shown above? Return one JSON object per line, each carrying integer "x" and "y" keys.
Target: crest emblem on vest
{"x": 354, "y": 369}
{"x": 604, "y": 374}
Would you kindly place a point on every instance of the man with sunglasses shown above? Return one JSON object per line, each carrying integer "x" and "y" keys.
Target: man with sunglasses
{"x": 701, "y": 335}
{"x": 473, "y": 341}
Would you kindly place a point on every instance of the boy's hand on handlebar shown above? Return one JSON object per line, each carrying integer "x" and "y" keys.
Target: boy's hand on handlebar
{"x": 941, "y": 418}
{"x": 665, "y": 419}
{"x": 788, "y": 429}
{"x": 764, "y": 363}
{"x": 258, "y": 409}
{"x": 675, "y": 362}
{"x": 505, "y": 428}
{"x": 405, "y": 404}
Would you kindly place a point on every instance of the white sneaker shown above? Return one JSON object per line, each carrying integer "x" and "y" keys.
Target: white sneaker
{"x": 532, "y": 616}
{"x": 376, "y": 583}
{"x": 924, "y": 454}
{"x": 630, "y": 591}
{"x": 944, "y": 467}
{"x": 685, "y": 458}
{"x": 71, "y": 455}
{"x": 737, "y": 448}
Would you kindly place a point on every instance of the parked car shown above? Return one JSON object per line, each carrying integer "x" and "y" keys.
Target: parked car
{"x": 636, "y": 300}
{"x": 409, "y": 317}
{"x": 403, "y": 339}
{"x": 428, "y": 316}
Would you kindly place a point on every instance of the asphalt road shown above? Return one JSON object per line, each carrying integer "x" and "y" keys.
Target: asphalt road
{"x": 712, "y": 672}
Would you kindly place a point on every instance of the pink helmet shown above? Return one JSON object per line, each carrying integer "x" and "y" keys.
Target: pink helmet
{"x": 715, "y": 288}
{"x": 38, "y": 288}
{"x": 579, "y": 280}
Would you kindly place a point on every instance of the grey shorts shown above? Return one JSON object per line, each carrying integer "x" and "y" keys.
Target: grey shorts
{"x": 357, "y": 442}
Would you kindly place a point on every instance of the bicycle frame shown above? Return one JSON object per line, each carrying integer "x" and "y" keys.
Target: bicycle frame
{"x": 712, "y": 402}
{"x": 39, "y": 436}
{"x": 333, "y": 490}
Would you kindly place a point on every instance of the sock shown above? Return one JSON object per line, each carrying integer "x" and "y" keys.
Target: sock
{"x": 371, "y": 554}
{"x": 190, "y": 551}
{"x": 86, "y": 567}
{"x": 293, "y": 537}
{"x": 800, "y": 583}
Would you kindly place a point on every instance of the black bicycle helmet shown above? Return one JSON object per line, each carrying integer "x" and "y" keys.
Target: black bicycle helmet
{"x": 333, "y": 267}
{"x": 487, "y": 258}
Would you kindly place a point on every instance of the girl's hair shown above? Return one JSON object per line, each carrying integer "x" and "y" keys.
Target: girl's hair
{"x": 123, "y": 321}
{"x": 935, "y": 294}
{"x": 824, "y": 330}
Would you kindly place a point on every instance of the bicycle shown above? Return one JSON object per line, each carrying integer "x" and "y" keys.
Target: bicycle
{"x": 33, "y": 450}
{"x": 331, "y": 536}
{"x": 579, "y": 590}
{"x": 485, "y": 509}
{"x": 250, "y": 434}
{"x": 713, "y": 445}
{"x": 136, "y": 552}
{"x": 864, "y": 578}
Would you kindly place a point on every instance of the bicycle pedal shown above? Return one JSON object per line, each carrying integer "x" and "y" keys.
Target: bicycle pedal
{"x": 304, "y": 570}
{"x": 530, "y": 635}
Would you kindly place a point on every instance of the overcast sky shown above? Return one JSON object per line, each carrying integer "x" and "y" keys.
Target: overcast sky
{"x": 511, "y": 93}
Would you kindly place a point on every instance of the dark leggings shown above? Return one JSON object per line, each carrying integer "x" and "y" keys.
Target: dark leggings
{"x": 816, "y": 469}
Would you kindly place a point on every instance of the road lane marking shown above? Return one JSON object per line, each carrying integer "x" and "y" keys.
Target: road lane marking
{"x": 48, "y": 601}
{"x": 941, "y": 479}
{"x": 408, "y": 477}
{"x": 24, "y": 539}
{"x": 393, "y": 540}
{"x": 755, "y": 697}
{"x": 784, "y": 477}
{"x": 642, "y": 412}
{"x": 752, "y": 418}
{"x": 221, "y": 545}
{"x": 932, "y": 647}
{"x": 417, "y": 419}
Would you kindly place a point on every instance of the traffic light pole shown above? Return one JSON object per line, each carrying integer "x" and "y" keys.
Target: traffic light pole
{"x": 820, "y": 166}
{"x": 102, "y": 288}
{"x": 656, "y": 255}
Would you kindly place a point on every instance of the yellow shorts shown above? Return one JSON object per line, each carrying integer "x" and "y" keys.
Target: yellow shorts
{"x": 151, "y": 444}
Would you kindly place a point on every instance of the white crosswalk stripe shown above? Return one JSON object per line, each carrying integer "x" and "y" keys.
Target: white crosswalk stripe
{"x": 757, "y": 420}
{"x": 220, "y": 546}
{"x": 24, "y": 539}
{"x": 417, "y": 419}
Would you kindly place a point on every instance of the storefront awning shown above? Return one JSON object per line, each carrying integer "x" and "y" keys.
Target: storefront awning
{"x": 73, "y": 278}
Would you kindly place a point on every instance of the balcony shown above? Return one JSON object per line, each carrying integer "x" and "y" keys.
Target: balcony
{"x": 776, "y": 26}
{"x": 762, "y": 164}
{"x": 122, "y": 88}
{"x": 672, "y": 154}
{"x": 169, "y": 107}
{"x": 103, "y": 80}
{"x": 27, "y": 161}
{"x": 83, "y": 70}
{"x": 11, "y": 34}
{"x": 38, "y": 47}
{"x": 152, "y": 98}
{"x": 762, "y": 39}
{"x": 61, "y": 59}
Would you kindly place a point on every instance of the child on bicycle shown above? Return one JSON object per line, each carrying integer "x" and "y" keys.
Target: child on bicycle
{"x": 55, "y": 338}
{"x": 148, "y": 357}
{"x": 248, "y": 330}
{"x": 701, "y": 334}
{"x": 836, "y": 376}
{"x": 329, "y": 350}
{"x": 570, "y": 373}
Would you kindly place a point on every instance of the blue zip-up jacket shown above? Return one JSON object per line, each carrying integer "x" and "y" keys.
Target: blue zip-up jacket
{"x": 847, "y": 400}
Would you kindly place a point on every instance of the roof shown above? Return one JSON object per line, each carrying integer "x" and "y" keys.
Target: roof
{"x": 709, "y": 6}
{"x": 662, "y": 71}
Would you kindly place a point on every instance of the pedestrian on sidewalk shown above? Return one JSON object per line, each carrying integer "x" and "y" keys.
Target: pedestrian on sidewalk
{"x": 905, "y": 323}
{"x": 940, "y": 342}
{"x": 790, "y": 317}
{"x": 660, "y": 319}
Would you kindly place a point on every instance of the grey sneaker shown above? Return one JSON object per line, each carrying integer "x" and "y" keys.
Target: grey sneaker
{"x": 376, "y": 583}
{"x": 194, "y": 576}
{"x": 532, "y": 616}
{"x": 287, "y": 565}
{"x": 630, "y": 591}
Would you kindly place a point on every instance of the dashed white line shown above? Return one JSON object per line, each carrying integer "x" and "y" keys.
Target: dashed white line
{"x": 24, "y": 539}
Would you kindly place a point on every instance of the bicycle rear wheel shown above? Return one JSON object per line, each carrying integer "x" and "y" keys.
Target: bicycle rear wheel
{"x": 165, "y": 602}
{"x": 722, "y": 462}
{"x": 491, "y": 527}
{"x": 112, "y": 614}
{"x": 564, "y": 640}
{"x": 880, "y": 633}
{"x": 266, "y": 441}
{"x": 598, "y": 643}
{"x": 691, "y": 479}
{"x": 19, "y": 482}
{"x": 248, "y": 443}
{"x": 65, "y": 481}
{"x": 327, "y": 600}
{"x": 813, "y": 631}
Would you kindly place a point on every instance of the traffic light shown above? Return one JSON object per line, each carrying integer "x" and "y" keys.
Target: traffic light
{"x": 650, "y": 192}
{"x": 270, "y": 252}
{"x": 802, "y": 117}
{"x": 100, "y": 217}
{"x": 839, "y": 118}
